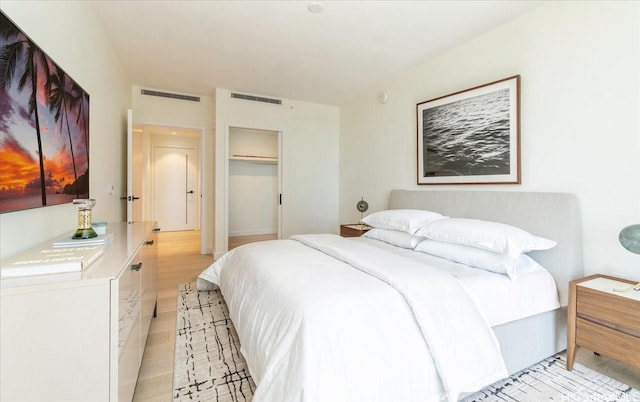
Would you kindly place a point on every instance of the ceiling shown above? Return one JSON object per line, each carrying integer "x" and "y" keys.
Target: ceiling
{"x": 281, "y": 49}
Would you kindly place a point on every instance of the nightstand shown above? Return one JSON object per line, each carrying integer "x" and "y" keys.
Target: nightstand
{"x": 603, "y": 320}
{"x": 354, "y": 230}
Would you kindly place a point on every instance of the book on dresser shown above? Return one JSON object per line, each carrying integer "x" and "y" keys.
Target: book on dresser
{"x": 50, "y": 260}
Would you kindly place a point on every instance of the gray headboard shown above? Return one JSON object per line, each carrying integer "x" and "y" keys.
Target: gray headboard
{"x": 554, "y": 216}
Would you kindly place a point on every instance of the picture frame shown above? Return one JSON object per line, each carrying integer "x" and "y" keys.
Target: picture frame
{"x": 44, "y": 123}
{"x": 471, "y": 136}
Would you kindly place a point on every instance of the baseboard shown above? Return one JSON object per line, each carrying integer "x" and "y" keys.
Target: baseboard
{"x": 254, "y": 232}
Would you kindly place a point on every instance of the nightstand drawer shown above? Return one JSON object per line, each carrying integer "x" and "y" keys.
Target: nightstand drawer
{"x": 609, "y": 342}
{"x": 616, "y": 311}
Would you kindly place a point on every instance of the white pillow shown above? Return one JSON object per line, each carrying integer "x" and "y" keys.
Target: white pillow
{"x": 406, "y": 220}
{"x": 492, "y": 236}
{"x": 478, "y": 258}
{"x": 394, "y": 237}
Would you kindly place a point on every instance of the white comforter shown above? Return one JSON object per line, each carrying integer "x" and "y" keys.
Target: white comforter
{"x": 322, "y": 318}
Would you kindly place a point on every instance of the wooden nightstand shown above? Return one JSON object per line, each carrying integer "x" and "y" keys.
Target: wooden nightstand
{"x": 354, "y": 230}
{"x": 603, "y": 320}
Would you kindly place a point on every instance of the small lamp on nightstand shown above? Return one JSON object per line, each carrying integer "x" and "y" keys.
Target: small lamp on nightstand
{"x": 629, "y": 237}
{"x": 362, "y": 206}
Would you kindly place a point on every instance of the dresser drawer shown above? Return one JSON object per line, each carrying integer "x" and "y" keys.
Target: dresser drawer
{"x": 129, "y": 342}
{"x": 609, "y": 342}
{"x": 616, "y": 311}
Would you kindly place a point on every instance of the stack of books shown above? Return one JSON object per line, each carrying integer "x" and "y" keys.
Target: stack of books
{"x": 61, "y": 256}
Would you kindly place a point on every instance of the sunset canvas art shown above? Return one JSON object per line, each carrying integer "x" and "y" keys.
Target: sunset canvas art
{"x": 44, "y": 127}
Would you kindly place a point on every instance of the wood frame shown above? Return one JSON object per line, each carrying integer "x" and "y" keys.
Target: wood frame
{"x": 471, "y": 136}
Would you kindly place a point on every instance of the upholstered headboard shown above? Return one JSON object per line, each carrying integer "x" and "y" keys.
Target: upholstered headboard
{"x": 554, "y": 216}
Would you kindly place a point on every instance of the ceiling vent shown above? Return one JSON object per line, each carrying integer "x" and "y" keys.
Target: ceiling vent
{"x": 256, "y": 98}
{"x": 170, "y": 95}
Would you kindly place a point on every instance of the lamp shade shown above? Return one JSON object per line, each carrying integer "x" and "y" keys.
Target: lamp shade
{"x": 629, "y": 237}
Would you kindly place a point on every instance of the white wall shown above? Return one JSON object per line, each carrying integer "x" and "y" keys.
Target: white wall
{"x": 580, "y": 100}
{"x": 72, "y": 35}
{"x": 309, "y": 159}
{"x": 179, "y": 113}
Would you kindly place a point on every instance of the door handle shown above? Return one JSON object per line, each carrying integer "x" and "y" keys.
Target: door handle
{"x": 136, "y": 267}
{"x": 190, "y": 192}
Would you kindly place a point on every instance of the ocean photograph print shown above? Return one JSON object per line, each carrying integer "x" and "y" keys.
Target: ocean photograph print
{"x": 471, "y": 136}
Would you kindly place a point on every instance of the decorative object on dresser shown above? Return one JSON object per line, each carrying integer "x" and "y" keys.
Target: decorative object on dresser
{"x": 85, "y": 228}
{"x": 471, "y": 136}
{"x": 91, "y": 325}
{"x": 354, "y": 230}
{"x": 604, "y": 320}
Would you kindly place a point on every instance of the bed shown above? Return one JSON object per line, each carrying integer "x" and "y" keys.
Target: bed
{"x": 324, "y": 318}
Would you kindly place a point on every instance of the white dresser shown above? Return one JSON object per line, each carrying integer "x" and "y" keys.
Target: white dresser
{"x": 79, "y": 337}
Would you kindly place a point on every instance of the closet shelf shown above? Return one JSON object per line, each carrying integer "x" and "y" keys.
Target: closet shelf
{"x": 254, "y": 158}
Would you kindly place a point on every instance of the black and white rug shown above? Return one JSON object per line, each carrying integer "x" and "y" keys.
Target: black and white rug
{"x": 208, "y": 363}
{"x": 209, "y": 366}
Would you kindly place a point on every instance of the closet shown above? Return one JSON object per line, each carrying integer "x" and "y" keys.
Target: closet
{"x": 254, "y": 184}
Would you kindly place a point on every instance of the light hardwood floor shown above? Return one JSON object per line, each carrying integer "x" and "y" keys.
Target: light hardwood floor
{"x": 180, "y": 261}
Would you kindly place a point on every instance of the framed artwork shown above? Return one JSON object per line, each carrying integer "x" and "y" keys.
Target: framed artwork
{"x": 471, "y": 136}
{"x": 44, "y": 127}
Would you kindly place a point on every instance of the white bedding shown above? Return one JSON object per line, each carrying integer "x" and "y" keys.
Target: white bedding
{"x": 313, "y": 328}
{"x": 509, "y": 300}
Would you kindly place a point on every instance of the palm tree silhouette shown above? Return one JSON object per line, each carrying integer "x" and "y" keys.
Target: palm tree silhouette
{"x": 10, "y": 55}
{"x": 62, "y": 100}
{"x": 82, "y": 113}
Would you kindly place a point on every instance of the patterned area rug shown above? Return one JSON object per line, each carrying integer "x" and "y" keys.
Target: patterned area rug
{"x": 208, "y": 363}
{"x": 209, "y": 366}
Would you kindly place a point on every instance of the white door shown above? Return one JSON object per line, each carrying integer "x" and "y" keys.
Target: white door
{"x": 175, "y": 190}
{"x": 135, "y": 166}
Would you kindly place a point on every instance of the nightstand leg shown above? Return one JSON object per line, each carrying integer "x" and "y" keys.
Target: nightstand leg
{"x": 571, "y": 326}
{"x": 571, "y": 355}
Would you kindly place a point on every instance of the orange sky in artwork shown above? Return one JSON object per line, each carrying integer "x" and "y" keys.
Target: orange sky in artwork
{"x": 19, "y": 169}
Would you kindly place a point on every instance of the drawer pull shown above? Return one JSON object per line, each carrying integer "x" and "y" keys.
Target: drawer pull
{"x": 136, "y": 267}
{"x": 149, "y": 243}
{"x": 156, "y": 229}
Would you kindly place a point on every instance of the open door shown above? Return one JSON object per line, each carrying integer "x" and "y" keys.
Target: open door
{"x": 135, "y": 165}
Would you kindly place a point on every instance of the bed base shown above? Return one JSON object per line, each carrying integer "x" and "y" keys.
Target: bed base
{"x": 529, "y": 340}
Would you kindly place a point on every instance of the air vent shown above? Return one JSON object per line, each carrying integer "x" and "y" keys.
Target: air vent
{"x": 170, "y": 95}
{"x": 256, "y": 98}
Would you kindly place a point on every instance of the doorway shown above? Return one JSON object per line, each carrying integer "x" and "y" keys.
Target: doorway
{"x": 171, "y": 160}
{"x": 254, "y": 185}
{"x": 175, "y": 187}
